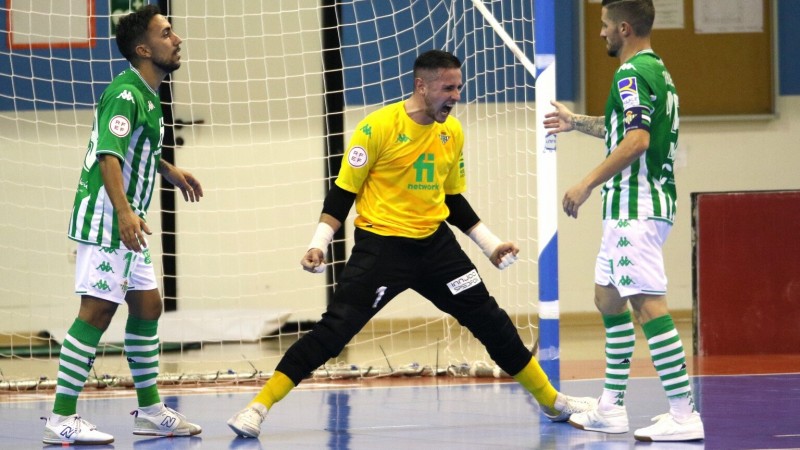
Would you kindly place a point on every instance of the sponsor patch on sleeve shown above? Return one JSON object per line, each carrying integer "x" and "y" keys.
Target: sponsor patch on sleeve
{"x": 119, "y": 126}
{"x": 357, "y": 157}
{"x": 464, "y": 282}
{"x": 628, "y": 92}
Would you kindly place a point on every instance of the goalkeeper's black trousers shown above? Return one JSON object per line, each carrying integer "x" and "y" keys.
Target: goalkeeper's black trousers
{"x": 380, "y": 268}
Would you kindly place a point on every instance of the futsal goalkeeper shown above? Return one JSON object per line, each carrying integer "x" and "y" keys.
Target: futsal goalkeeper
{"x": 404, "y": 169}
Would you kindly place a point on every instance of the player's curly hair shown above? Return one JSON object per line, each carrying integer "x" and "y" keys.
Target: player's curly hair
{"x": 132, "y": 29}
{"x": 639, "y": 13}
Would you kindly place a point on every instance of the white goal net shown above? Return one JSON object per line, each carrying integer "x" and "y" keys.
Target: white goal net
{"x": 267, "y": 95}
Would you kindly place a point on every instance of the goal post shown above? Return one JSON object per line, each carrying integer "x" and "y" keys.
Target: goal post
{"x": 547, "y": 201}
{"x": 251, "y": 109}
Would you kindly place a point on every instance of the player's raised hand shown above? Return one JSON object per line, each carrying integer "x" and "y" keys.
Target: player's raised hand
{"x": 560, "y": 120}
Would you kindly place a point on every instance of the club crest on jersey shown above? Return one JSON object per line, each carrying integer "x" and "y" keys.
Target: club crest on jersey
{"x": 628, "y": 92}
{"x": 119, "y": 126}
{"x": 444, "y": 138}
{"x": 126, "y": 95}
{"x": 357, "y": 157}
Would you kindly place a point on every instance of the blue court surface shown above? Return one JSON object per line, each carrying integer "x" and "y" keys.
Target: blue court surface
{"x": 739, "y": 412}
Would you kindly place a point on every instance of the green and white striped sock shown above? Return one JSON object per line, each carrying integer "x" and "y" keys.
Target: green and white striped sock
{"x": 74, "y": 363}
{"x": 669, "y": 360}
{"x": 142, "y": 350}
{"x": 620, "y": 341}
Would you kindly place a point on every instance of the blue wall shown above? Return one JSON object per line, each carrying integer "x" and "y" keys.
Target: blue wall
{"x": 25, "y": 75}
{"x": 379, "y": 44}
{"x": 372, "y": 70}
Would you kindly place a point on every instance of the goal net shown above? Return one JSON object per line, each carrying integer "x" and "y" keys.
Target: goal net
{"x": 261, "y": 109}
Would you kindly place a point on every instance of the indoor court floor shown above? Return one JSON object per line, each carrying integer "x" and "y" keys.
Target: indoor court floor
{"x": 747, "y": 402}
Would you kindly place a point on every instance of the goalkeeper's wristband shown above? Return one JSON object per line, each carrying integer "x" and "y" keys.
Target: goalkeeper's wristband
{"x": 485, "y": 239}
{"x": 322, "y": 238}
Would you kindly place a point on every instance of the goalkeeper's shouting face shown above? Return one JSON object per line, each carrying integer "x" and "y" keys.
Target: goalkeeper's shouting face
{"x": 441, "y": 90}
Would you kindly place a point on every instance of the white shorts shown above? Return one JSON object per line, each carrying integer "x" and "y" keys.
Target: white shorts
{"x": 110, "y": 273}
{"x": 631, "y": 257}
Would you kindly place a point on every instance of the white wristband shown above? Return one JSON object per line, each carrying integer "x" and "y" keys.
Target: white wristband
{"x": 322, "y": 238}
{"x": 485, "y": 239}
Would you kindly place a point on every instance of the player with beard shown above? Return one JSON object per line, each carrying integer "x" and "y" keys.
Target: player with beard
{"x": 640, "y": 127}
{"x": 404, "y": 169}
{"x": 108, "y": 222}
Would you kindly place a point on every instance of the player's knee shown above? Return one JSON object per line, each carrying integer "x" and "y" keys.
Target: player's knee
{"x": 489, "y": 323}
{"x": 337, "y": 327}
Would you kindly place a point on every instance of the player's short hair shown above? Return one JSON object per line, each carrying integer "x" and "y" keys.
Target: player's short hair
{"x": 435, "y": 60}
{"x": 639, "y": 13}
{"x": 132, "y": 30}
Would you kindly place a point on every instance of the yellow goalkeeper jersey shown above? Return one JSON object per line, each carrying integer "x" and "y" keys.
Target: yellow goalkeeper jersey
{"x": 400, "y": 172}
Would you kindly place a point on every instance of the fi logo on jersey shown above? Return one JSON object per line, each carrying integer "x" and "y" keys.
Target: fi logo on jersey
{"x": 628, "y": 92}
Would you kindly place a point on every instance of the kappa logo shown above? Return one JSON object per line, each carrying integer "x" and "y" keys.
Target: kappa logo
{"x": 105, "y": 266}
{"x": 126, "y": 95}
{"x": 464, "y": 282}
{"x": 626, "y": 281}
{"x": 150, "y": 106}
{"x": 625, "y": 262}
{"x": 101, "y": 286}
{"x": 367, "y": 129}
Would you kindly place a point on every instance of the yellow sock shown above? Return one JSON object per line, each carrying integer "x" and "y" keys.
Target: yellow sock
{"x": 274, "y": 390}
{"x": 533, "y": 378}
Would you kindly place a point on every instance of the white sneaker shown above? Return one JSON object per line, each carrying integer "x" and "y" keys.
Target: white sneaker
{"x": 613, "y": 422}
{"x": 247, "y": 422}
{"x": 566, "y": 405}
{"x": 166, "y": 422}
{"x": 670, "y": 428}
{"x": 73, "y": 430}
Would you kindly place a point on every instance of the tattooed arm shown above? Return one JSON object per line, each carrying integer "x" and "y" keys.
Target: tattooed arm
{"x": 562, "y": 119}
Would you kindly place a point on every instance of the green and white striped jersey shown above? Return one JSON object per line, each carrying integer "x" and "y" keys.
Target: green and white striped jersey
{"x": 129, "y": 124}
{"x": 643, "y": 97}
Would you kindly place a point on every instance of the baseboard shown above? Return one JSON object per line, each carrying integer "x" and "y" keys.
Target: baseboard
{"x": 574, "y": 319}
